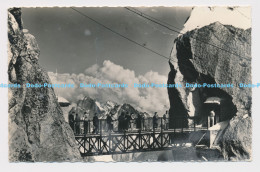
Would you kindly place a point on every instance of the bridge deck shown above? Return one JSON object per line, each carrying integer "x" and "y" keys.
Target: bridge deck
{"x": 179, "y": 130}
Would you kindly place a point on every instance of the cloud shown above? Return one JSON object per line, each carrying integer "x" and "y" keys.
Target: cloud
{"x": 92, "y": 71}
{"x": 144, "y": 99}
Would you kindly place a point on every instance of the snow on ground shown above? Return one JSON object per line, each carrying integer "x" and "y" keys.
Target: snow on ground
{"x": 62, "y": 100}
{"x": 219, "y": 126}
{"x": 98, "y": 105}
{"x": 104, "y": 158}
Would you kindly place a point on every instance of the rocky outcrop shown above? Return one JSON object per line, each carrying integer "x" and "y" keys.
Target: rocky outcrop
{"x": 236, "y": 139}
{"x": 93, "y": 106}
{"x": 178, "y": 113}
{"x": 214, "y": 54}
{"x": 37, "y": 129}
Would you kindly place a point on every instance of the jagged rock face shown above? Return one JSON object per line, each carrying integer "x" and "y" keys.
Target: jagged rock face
{"x": 93, "y": 106}
{"x": 88, "y": 104}
{"x": 236, "y": 140}
{"x": 213, "y": 54}
{"x": 200, "y": 62}
{"x": 102, "y": 109}
{"x": 37, "y": 129}
{"x": 177, "y": 107}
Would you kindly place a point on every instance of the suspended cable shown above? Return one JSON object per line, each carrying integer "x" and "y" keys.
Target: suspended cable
{"x": 242, "y": 14}
{"x": 156, "y": 19}
{"x": 119, "y": 34}
{"x": 183, "y": 33}
{"x": 168, "y": 58}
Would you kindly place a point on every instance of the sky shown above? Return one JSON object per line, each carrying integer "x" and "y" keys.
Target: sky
{"x": 84, "y": 52}
{"x": 70, "y": 43}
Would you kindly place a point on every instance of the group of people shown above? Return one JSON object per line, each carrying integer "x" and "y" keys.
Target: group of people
{"x": 125, "y": 122}
{"x": 164, "y": 122}
{"x": 75, "y": 122}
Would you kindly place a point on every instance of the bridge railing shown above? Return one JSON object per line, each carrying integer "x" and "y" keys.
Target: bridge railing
{"x": 83, "y": 127}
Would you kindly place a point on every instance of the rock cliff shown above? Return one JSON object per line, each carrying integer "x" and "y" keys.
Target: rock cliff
{"x": 214, "y": 54}
{"x": 37, "y": 129}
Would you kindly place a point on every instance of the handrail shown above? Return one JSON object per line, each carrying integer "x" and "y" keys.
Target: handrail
{"x": 83, "y": 127}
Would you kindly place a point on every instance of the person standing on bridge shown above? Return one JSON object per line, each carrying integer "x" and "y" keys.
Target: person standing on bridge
{"x": 85, "y": 123}
{"x": 165, "y": 121}
{"x": 155, "y": 121}
{"x": 127, "y": 121}
{"x": 71, "y": 120}
{"x": 132, "y": 122}
{"x": 121, "y": 121}
{"x": 109, "y": 122}
{"x": 77, "y": 124}
{"x": 95, "y": 124}
{"x": 139, "y": 122}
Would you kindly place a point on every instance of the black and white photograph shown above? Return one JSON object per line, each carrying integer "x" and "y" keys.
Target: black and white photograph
{"x": 130, "y": 84}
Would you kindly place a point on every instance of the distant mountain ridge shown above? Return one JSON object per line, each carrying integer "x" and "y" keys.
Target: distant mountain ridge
{"x": 92, "y": 106}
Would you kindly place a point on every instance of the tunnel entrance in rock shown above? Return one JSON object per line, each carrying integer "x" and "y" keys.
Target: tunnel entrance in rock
{"x": 215, "y": 99}
{"x": 196, "y": 98}
{"x": 226, "y": 106}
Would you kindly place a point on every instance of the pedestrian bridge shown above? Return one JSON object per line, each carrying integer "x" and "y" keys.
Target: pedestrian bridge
{"x": 106, "y": 142}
